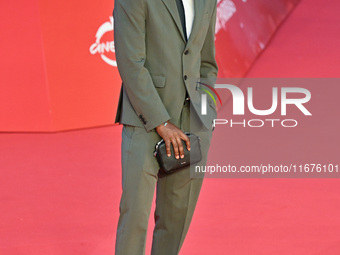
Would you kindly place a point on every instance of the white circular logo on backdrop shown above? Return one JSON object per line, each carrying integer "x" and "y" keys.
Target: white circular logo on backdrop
{"x": 102, "y": 47}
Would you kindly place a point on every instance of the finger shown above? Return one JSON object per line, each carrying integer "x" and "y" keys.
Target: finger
{"x": 168, "y": 147}
{"x": 175, "y": 145}
{"x": 180, "y": 147}
{"x": 186, "y": 140}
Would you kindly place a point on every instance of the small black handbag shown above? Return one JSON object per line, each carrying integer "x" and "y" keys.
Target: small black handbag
{"x": 171, "y": 164}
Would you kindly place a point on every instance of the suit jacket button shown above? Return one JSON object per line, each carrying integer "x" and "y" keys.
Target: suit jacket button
{"x": 185, "y": 77}
{"x": 186, "y": 52}
{"x": 142, "y": 119}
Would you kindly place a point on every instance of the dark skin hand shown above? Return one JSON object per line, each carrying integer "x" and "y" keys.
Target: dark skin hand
{"x": 173, "y": 135}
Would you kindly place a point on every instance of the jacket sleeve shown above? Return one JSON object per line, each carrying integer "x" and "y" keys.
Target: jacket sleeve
{"x": 129, "y": 37}
{"x": 208, "y": 62}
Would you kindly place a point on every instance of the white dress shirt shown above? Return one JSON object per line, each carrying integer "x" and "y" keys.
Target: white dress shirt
{"x": 189, "y": 11}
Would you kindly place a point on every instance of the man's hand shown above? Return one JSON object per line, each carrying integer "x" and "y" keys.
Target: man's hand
{"x": 173, "y": 135}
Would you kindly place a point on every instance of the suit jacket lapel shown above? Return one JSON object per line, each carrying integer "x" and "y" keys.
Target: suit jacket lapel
{"x": 172, "y": 8}
{"x": 199, "y": 9}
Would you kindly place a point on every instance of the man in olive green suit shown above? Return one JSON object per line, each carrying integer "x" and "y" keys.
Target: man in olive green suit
{"x": 157, "y": 58}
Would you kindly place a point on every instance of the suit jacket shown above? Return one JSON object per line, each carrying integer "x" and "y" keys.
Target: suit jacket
{"x": 156, "y": 63}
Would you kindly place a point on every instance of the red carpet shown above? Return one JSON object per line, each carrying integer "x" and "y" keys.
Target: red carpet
{"x": 60, "y": 192}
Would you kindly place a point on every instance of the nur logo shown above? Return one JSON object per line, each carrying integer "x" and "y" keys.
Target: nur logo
{"x": 239, "y": 99}
{"x": 204, "y": 96}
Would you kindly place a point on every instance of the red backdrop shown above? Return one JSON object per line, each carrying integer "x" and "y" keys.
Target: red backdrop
{"x": 57, "y": 62}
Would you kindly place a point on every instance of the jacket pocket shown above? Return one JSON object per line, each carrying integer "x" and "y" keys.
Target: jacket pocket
{"x": 158, "y": 80}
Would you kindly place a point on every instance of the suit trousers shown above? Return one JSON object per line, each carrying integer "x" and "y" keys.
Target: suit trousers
{"x": 176, "y": 194}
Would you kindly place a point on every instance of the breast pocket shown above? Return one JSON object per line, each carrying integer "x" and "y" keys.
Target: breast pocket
{"x": 204, "y": 26}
